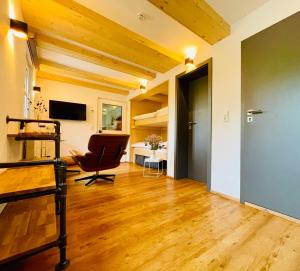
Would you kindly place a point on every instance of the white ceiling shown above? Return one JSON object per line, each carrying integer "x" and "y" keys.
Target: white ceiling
{"x": 234, "y": 10}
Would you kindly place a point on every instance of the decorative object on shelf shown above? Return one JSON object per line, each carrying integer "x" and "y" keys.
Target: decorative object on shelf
{"x": 40, "y": 107}
{"x": 155, "y": 143}
{"x": 19, "y": 29}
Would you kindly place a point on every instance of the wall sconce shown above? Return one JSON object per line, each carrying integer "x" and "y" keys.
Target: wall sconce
{"x": 190, "y": 54}
{"x": 143, "y": 84}
{"x": 36, "y": 89}
{"x": 189, "y": 63}
{"x": 19, "y": 29}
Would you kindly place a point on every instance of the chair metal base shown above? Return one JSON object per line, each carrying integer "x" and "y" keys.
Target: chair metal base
{"x": 93, "y": 178}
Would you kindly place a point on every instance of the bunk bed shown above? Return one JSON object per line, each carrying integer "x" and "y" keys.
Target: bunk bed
{"x": 149, "y": 115}
{"x": 158, "y": 118}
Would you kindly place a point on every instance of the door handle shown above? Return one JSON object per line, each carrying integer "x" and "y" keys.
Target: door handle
{"x": 192, "y": 123}
{"x": 251, "y": 112}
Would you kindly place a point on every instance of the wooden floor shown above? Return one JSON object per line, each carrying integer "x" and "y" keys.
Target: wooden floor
{"x": 162, "y": 224}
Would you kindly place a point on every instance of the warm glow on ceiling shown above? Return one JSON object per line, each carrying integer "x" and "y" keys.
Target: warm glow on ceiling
{"x": 143, "y": 82}
{"x": 190, "y": 52}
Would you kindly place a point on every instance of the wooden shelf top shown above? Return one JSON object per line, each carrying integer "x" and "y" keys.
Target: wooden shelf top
{"x": 20, "y": 181}
{"x": 159, "y": 121}
{"x": 26, "y": 225}
{"x": 33, "y": 136}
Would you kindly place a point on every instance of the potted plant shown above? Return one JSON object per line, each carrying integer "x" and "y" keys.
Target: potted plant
{"x": 154, "y": 141}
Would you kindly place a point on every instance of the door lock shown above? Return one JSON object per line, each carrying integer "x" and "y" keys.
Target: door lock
{"x": 249, "y": 119}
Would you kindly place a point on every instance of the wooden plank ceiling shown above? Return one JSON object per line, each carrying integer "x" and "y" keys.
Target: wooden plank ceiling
{"x": 70, "y": 20}
{"x": 69, "y": 49}
{"x": 81, "y": 83}
{"x": 71, "y": 29}
{"x": 197, "y": 16}
{"x": 53, "y": 67}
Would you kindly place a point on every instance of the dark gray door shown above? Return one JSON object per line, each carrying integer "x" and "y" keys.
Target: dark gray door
{"x": 270, "y": 175}
{"x": 198, "y": 129}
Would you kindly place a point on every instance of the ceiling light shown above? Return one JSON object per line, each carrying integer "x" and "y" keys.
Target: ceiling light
{"x": 19, "y": 29}
{"x": 143, "y": 84}
{"x": 189, "y": 63}
{"x": 141, "y": 16}
{"x": 190, "y": 53}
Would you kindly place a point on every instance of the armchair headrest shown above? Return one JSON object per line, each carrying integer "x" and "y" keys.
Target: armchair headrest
{"x": 111, "y": 142}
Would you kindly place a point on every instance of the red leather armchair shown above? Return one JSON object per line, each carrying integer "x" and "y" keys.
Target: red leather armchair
{"x": 105, "y": 152}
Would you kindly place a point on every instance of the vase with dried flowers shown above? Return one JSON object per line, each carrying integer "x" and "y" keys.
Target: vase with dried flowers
{"x": 40, "y": 107}
{"x": 154, "y": 141}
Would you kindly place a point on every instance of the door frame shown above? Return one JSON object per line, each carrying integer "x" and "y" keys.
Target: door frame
{"x": 123, "y": 104}
{"x": 242, "y": 147}
{"x": 209, "y": 64}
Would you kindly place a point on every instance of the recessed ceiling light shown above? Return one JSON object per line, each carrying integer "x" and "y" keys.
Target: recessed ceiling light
{"x": 141, "y": 16}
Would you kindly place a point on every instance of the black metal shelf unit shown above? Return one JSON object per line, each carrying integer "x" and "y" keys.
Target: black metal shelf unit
{"x": 55, "y": 137}
{"x": 60, "y": 193}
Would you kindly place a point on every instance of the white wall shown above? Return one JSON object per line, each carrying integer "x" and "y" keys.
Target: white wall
{"x": 12, "y": 75}
{"x": 226, "y": 96}
{"x": 75, "y": 134}
{"x": 226, "y": 54}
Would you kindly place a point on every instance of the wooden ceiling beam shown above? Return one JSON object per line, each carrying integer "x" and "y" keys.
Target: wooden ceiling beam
{"x": 72, "y": 50}
{"x": 73, "y": 21}
{"x": 81, "y": 83}
{"x": 48, "y": 65}
{"x": 197, "y": 16}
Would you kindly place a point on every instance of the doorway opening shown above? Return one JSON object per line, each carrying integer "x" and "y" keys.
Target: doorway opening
{"x": 193, "y": 124}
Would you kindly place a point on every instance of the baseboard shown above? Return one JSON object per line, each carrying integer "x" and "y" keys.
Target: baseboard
{"x": 292, "y": 219}
{"x": 225, "y": 196}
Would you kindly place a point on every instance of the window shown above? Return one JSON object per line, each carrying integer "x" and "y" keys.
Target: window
{"x": 28, "y": 87}
{"x": 111, "y": 116}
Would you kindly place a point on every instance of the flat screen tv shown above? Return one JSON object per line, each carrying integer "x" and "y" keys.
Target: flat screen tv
{"x": 66, "y": 110}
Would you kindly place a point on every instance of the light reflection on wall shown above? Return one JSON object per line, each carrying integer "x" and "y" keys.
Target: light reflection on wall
{"x": 11, "y": 12}
{"x": 12, "y": 15}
